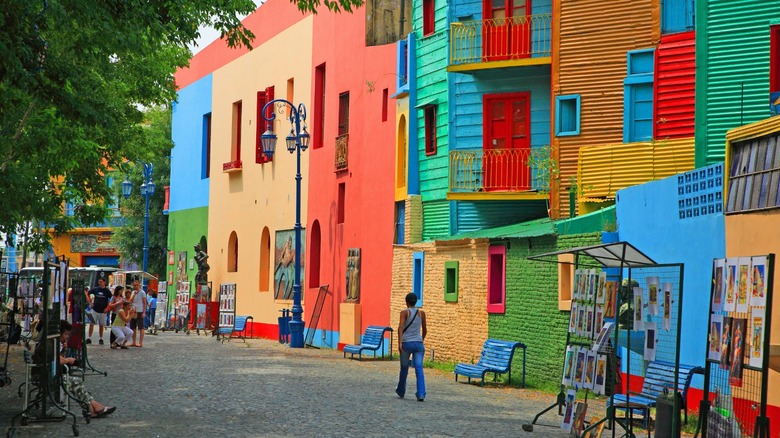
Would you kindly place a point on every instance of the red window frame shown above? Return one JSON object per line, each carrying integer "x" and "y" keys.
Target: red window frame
{"x": 774, "y": 58}
{"x": 430, "y": 129}
{"x": 263, "y": 97}
{"x": 318, "y": 128}
{"x": 237, "y": 110}
{"x": 496, "y": 295}
{"x": 429, "y": 23}
{"x": 385, "y": 101}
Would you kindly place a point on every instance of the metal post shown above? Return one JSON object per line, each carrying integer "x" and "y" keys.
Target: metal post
{"x": 147, "y": 181}
{"x": 296, "y": 325}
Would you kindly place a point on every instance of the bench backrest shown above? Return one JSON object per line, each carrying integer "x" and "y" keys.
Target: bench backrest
{"x": 240, "y": 323}
{"x": 497, "y": 354}
{"x": 660, "y": 375}
{"x": 374, "y": 335}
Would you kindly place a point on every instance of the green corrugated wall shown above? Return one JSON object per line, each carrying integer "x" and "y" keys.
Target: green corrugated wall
{"x": 732, "y": 75}
{"x": 436, "y": 219}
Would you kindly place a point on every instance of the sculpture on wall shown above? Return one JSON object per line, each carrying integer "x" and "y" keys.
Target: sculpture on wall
{"x": 203, "y": 267}
{"x": 353, "y": 274}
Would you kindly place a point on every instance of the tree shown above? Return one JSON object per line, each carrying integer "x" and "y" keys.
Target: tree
{"x": 129, "y": 238}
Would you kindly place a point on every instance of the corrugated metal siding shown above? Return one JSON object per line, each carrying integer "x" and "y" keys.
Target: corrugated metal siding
{"x": 675, "y": 78}
{"x": 738, "y": 56}
{"x": 604, "y": 170}
{"x": 471, "y": 216}
{"x": 594, "y": 39}
{"x": 436, "y": 219}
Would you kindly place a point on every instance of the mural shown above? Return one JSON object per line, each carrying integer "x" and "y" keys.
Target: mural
{"x": 353, "y": 274}
{"x": 91, "y": 243}
{"x": 284, "y": 264}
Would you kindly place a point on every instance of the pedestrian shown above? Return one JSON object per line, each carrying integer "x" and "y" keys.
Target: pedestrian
{"x": 412, "y": 330}
{"x": 98, "y": 299}
{"x": 119, "y": 327}
{"x": 149, "y": 322}
{"x": 137, "y": 323}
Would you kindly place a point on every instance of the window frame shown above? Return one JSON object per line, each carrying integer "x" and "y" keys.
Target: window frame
{"x": 418, "y": 276}
{"x": 341, "y": 206}
{"x": 451, "y": 285}
{"x": 318, "y": 119}
{"x": 428, "y": 17}
{"x": 263, "y": 97}
{"x": 559, "y": 102}
{"x": 496, "y": 286}
{"x": 631, "y": 84}
{"x": 205, "y": 171}
{"x": 429, "y": 119}
{"x": 343, "y": 114}
{"x": 235, "y": 144}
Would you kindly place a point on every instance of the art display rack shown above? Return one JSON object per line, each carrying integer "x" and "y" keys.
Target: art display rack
{"x": 161, "y": 314}
{"x": 208, "y": 324}
{"x": 79, "y": 322}
{"x": 182, "y": 307}
{"x": 738, "y": 350}
{"x": 227, "y": 310}
{"x": 629, "y": 271}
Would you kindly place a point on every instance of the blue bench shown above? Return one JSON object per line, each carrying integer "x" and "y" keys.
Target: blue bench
{"x": 372, "y": 340}
{"x": 659, "y": 377}
{"x": 496, "y": 358}
{"x": 239, "y": 326}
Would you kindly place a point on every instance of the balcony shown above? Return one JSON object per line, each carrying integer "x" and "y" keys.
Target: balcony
{"x": 500, "y": 42}
{"x": 342, "y": 142}
{"x": 494, "y": 174}
{"x": 231, "y": 166}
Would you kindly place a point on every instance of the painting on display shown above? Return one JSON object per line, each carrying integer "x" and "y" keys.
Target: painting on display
{"x": 590, "y": 370}
{"x": 716, "y": 326}
{"x": 353, "y": 275}
{"x": 729, "y": 305}
{"x": 757, "y": 338}
{"x": 200, "y": 321}
{"x": 575, "y": 293}
{"x": 744, "y": 285}
{"x": 725, "y": 344}
{"x": 171, "y": 257}
{"x": 638, "y": 310}
{"x": 578, "y": 423}
{"x": 601, "y": 289}
{"x": 737, "y": 351}
{"x": 717, "y": 285}
{"x": 758, "y": 296}
{"x": 568, "y": 415}
{"x": 651, "y": 330}
{"x": 652, "y": 295}
{"x": 611, "y": 298}
{"x": 181, "y": 266}
{"x": 667, "y": 319}
{"x": 573, "y": 318}
{"x": 284, "y": 264}
{"x": 92, "y": 243}
{"x": 599, "y": 381}
{"x": 568, "y": 366}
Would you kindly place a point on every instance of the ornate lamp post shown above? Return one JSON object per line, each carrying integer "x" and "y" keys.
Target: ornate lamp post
{"x": 297, "y": 141}
{"x": 147, "y": 190}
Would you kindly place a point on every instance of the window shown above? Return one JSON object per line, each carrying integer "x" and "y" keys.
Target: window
{"x": 318, "y": 130}
{"x": 314, "y": 255}
{"x": 496, "y": 279}
{"x": 567, "y": 115}
{"x": 774, "y": 60}
{"x": 677, "y": 15}
{"x": 638, "y": 96}
{"x": 291, "y": 90}
{"x": 263, "y": 97}
{"x": 385, "y": 102}
{"x": 451, "y": 281}
{"x": 430, "y": 129}
{"x": 418, "y": 259}
{"x": 428, "y": 19}
{"x": 507, "y": 141}
{"x": 235, "y": 143}
{"x": 342, "y": 200}
{"x": 402, "y": 66}
{"x": 565, "y": 280}
{"x": 205, "y": 170}
{"x": 400, "y": 155}
{"x": 232, "y": 259}
{"x": 400, "y": 223}
{"x": 754, "y": 175}
{"x": 343, "y": 113}
{"x": 265, "y": 259}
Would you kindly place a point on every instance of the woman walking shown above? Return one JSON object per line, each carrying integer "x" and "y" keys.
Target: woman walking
{"x": 411, "y": 334}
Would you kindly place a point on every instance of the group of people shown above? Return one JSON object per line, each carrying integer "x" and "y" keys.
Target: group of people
{"x": 124, "y": 310}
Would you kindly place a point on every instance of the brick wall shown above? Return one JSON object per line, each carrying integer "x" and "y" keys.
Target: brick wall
{"x": 532, "y": 316}
{"x": 456, "y": 331}
{"x": 414, "y": 220}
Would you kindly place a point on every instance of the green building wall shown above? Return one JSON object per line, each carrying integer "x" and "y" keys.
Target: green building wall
{"x": 532, "y": 316}
{"x": 732, "y": 70}
{"x": 185, "y": 229}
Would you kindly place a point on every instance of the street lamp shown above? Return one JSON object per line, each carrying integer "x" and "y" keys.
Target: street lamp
{"x": 147, "y": 190}
{"x": 297, "y": 141}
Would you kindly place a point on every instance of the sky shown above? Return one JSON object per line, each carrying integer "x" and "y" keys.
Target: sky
{"x": 209, "y": 34}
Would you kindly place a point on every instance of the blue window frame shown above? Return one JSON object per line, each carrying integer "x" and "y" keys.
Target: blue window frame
{"x": 400, "y": 222}
{"x": 677, "y": 15}
{"x": 638, "y": 96}
{"x": 418, "y": 260}
{"x": 567, "y": 115}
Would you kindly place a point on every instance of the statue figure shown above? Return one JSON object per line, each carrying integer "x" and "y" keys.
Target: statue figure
{"x": 203, "y": 267}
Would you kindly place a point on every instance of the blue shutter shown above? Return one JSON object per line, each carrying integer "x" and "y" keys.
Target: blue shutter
{"x": 641, "y": 101}
{"x": 417, "y": 276}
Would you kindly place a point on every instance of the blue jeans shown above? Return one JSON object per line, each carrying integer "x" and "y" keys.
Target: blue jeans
{"x": 416, "y": 350}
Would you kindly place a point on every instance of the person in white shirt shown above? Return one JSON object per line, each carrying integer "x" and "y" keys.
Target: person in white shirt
{"x": 137, "y": 323}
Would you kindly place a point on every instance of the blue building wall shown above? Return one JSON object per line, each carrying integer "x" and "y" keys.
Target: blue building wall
{"x": 188, "y": 188}
{"x": 649, "y": 218}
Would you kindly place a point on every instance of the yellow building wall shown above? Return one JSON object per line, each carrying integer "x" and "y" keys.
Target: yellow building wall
{"x": 401, "y": 147}
{"x": 61, "y": 245}
{"x": 260, "y": 195}
{"x": 456, "y": 331}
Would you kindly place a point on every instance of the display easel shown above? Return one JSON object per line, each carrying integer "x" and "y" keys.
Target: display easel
{"x": 161, "y": 314}
{"x": 617, "y": 259}
{"x": 182, "y": 306}
{"x": 205, "y": 321}
{"x": 738, "y": 348}
{"x": 227, "y": 310}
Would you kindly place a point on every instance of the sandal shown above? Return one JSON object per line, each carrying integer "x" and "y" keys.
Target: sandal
{"x": 113, "y": 346}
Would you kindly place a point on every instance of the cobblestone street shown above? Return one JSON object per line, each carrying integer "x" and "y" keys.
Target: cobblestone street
{"x": 188, "y": 385}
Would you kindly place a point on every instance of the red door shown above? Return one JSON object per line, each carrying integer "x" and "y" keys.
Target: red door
{"x": 507, "y": 142}
{"x": 506, "y": 32}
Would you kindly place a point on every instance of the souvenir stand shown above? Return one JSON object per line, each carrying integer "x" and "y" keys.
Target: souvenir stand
{"x": 227, "y": 310}
{"x": 624, "y": 306}
{"x": 206, "y": 311}
{"x": 161, "y": 314}
{"x": 47, "y": 404}
{"x": 736, "y": 378}
{"x": 182, "y": 307}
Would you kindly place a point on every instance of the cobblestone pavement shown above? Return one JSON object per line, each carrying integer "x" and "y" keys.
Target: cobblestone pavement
{"x": 188, "y": 385}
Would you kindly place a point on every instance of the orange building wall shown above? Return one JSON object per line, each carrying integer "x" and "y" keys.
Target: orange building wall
{"x": 61, "y": 246}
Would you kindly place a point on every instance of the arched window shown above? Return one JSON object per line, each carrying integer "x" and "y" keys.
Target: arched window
{"x": 265, "y": 259}
{"x": 400, "y": 155}
{"x": 232, "y": 262}
{"x": 314, "y": 255}
{"x": 204, "y": 244}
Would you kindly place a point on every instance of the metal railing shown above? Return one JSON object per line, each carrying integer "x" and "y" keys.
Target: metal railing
{"x": 493, "y": 170}
{"x": 498, "y": 39}
{"x": 342, "y": 143}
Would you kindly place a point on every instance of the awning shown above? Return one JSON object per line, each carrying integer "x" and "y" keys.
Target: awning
{"x": 608, "y": 255}
{"x": 535, "y": 228}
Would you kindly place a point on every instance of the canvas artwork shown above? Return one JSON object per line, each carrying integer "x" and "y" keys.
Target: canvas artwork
{"x": 589, "y": 324}
{"x": 757, "y": 338}
{"x": 611, "y": 299}
{"x": 582, "y": 285}
{"x": 575, "y": 293}
{"x": 599, "y": 320}
{"x": 600, "y": 380}
{"x": 725, "y": 343}
{"x": 568, "y": 414}
{"x": 667, "y": 319}
{"x": 284, "y": 264}
{"x": 580, "y": 320}
{"x": 579, "y": 368}
{"x": 638, "y": 309}
{"x": 590, "y": 370}
{"x": 573, "y": 318}
{"x": 591, "y": 284}
{"x": 568, "y": 366}
{"x": 737, "y": 351}
{"x": 652, "y": 295}
{"x": 603, "y": 338}
{"x": 181, "y": 266}
{"x": 651, "y": 331}
{"x": 717, "y": 284}
{"x": 200, "y": 321}
{"x": 716, "y": 333}
{"x": 744, "y": 286}
{"x": 729, "y": 305}
{"x": 758, "y": 296}
{"x": 601, "y": 289}
{"x": 578, "y": 423}
{"x": 171, "y": 257}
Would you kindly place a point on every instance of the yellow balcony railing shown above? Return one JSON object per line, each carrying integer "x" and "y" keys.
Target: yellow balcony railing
{"x": 500, "y": 39}
{"x": 493, "y": 170}
{"x": 342, "y": 143}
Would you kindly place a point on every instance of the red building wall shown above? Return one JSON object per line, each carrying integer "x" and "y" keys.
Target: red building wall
{"x": 675, "y": 87}
{"x": 368, "y": 223}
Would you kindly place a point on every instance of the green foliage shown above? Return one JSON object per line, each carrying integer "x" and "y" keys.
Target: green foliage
{"x": 332, "y": 5}
{"x": 129, "y": 239}
{"x": 545, "y": 166}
